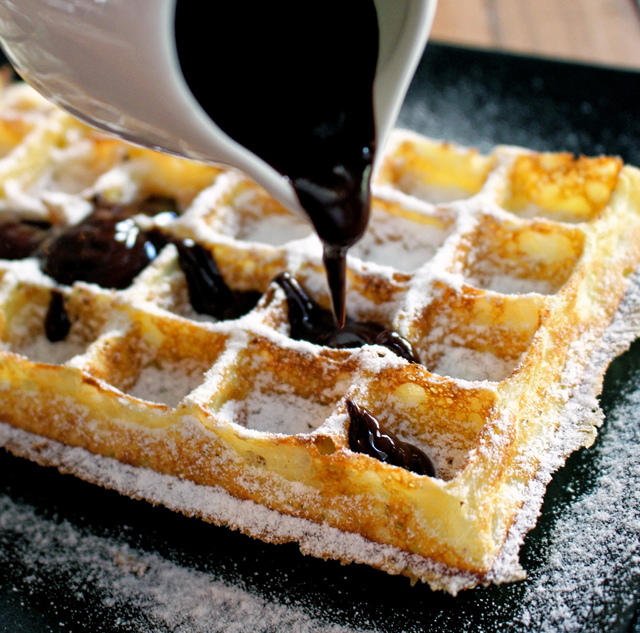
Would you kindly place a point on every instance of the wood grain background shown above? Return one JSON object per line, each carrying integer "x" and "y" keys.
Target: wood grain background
{"x": 597, "y": 31}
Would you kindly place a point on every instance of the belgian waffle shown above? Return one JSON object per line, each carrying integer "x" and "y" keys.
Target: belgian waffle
{"x": 504, "y": 271}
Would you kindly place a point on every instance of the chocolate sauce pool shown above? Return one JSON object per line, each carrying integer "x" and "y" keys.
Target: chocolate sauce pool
{"x": 368, "y": 436}
{"x": 208, "y": 291}
{"x": 310, "y": 322}
{"x": 293, "y": 83}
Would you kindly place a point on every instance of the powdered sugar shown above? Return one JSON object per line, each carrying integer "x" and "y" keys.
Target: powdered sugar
{"x": 40, "y": 350}
{"x": 433, "y": 193}
{"x": 166, "y": 385}
{"x": 274, "y": 230}
{"x": 274, "y": 412}
{"x": 219, "y": 506}
{"x": 402, "y": 243}
{"x": 603, "y": 524}
{"x": 470, "y": 364}
{"x": 509, "y": 284}
{"x": 144, "y": 591}
{"x": 262, "y": 412}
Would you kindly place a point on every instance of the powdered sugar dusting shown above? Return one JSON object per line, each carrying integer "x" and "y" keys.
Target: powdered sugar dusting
{"x": 171, "y": 597}
{"x": 470, "y": 364}
{"x": 271, "y": 412}
{"x": 274, "y": 230}
{"x": 217, "y": 506}
{"x": 263, "y": 410}
{"x": 433, "y": 193}
{"x": 592, "y": 547}
{"x": 595, "y": 542}
{"x": 166, "y": 385}
{"x": 404, "y": 244}
{"x": 40, "y": 350}
{"x": 508, "y": 284}
{"x": 597, "y": 537}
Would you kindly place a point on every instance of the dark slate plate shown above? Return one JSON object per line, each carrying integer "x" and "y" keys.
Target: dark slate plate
{"x": 74, "y": 557}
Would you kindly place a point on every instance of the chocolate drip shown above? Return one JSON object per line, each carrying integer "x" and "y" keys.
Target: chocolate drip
{"x": 366, "y": 435}
{"x": 20, "y": 238}
{"x": 310, "y": 322}
{"x": 319, "y": 129}
{"x": 335, "y": 265}
{"x": 56, "y": 322}
{"x": 107, "y": 248}
{"x": 208, "y": 292}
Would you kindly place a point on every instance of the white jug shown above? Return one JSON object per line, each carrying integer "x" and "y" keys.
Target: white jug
{"x": 113, "y": 64}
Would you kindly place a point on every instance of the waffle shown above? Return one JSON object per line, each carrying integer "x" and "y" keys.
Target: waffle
{"x": 504, "y": 271}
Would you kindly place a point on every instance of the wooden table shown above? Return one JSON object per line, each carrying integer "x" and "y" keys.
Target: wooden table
{"x": 597, "y": 31}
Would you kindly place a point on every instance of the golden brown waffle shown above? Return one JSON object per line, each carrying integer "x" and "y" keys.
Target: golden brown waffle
{"x": 504, "y": 271}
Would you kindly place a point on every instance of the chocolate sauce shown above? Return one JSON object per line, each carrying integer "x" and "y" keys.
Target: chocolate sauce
{"x": 208, "y": 292}
{"x": 398, "y": 345}
{"x": 107, "y": 248}
{"x": 293, "y": 84}
{"x": 366, "y": 435}
{"x": 56, "y": 322}
{"x": 20, "y": 238}
{"x": 310, "y": 322}
{"x": 161, "y": 208}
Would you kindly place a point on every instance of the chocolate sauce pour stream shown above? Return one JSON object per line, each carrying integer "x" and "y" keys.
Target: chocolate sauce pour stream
{"x": 293, "y": 84}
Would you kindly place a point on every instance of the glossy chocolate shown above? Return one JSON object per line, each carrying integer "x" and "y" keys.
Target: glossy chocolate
{"x": 208, "y": 291}
{"x": 310, "y": 322}
{"x": 398, "y": 345}
{"x": 366, "y": 435}
{"x": 56, "y": 321}
{"x": 302, "y": 101}
{"x": 20, "y": 238}
{"x": 108, "y": 248}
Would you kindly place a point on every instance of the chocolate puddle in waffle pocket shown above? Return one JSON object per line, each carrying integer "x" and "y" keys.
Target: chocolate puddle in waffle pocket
{"x": 509, "y": 276}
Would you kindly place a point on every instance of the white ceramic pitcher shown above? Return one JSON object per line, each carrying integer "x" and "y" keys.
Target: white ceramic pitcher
{"x": 113, "y": 64}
